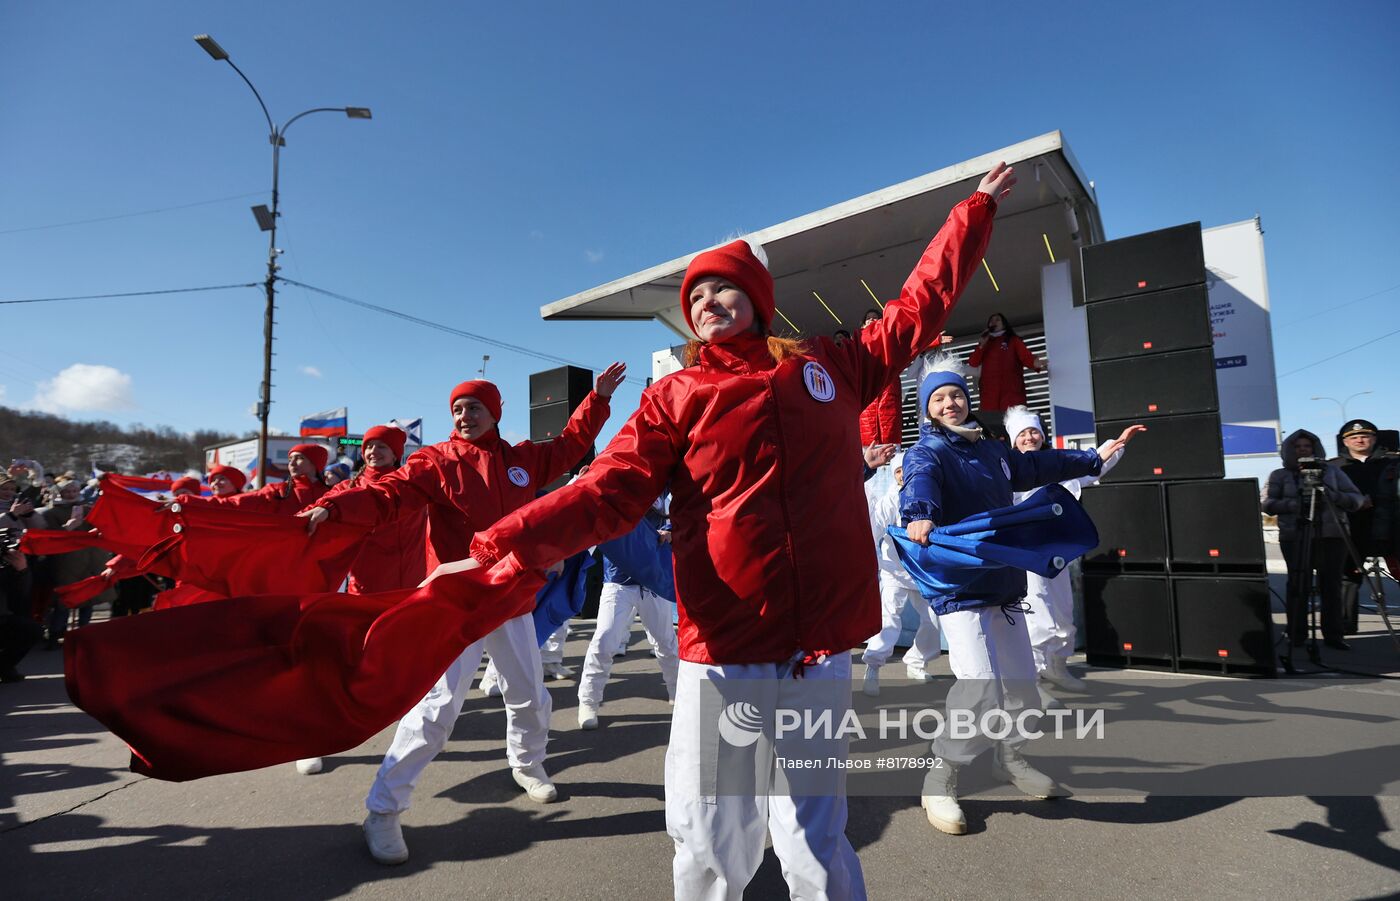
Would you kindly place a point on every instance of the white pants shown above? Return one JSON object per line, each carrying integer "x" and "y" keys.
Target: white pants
{"x": 719, "y": 838}
{"x": 1051, "y": 620}
{"x": 991, "y": 656}
{"x": 615, "y": 606}
{"x": 424, "y": 731}
{"x": 553, "y": 649}
{"x": 894, "y": 594}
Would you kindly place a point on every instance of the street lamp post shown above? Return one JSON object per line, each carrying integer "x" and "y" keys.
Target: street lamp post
{"x": 267, "y": 221}
{"x": 1342, "y": 403}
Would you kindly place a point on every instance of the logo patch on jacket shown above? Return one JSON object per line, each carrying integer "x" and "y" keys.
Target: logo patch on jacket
{"x": 819, "y": 383}
{"x": 518, "y": 477}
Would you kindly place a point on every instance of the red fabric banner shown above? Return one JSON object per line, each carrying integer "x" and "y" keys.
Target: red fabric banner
{"x": 255, "y": 681}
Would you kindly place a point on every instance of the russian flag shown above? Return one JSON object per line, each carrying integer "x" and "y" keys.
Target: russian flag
{"x": 326, "y": 424}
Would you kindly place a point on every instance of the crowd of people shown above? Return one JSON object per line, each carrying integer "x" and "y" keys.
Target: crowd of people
{"x": 732, "y": 468}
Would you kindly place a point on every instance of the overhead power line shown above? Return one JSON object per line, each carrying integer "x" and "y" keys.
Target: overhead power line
{"x": 164, "y": 209}
{"x": 1340, "y": 353}
{"x": 461, "y": 333}
{"x": 1326, "y": 310}
{"x": 133, "y": 293}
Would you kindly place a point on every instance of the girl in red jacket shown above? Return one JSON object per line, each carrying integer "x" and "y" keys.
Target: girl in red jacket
{"x": 304, "y": 486}
{"x": 770, "y": 584}
{"x": 1003, "y": 357}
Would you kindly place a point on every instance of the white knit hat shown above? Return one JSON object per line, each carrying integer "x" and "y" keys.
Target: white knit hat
{"x": 1019, "y": 418}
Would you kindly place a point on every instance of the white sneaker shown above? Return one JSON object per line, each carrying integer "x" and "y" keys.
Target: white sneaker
{"x": 1009, "y": 766}
{"x": 871, "y": 684}
{"x": 917, "y": 673}
{"x": 385, "y": 838}
{"x": 1057, "y": 674}
{"x": 558, "y": 671}
{"x": 620, "y": 653}
{"x": 587, "y": 716}
{"x": 490, "y": 687}
{"x": 536, "y": 783}
{"x": 940, "y": 800}
{"x": 309, "y": 766}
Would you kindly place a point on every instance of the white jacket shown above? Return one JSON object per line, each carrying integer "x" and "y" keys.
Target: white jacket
{"x": 884, "y": 513}
{"x": 1075, "y": 486}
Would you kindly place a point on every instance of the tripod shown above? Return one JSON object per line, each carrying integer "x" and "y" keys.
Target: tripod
{"x": 1303, "y": 583}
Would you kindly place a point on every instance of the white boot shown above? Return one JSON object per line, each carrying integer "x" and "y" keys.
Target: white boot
{"x": 1047, "y": 700}
{"x": 1057, "y": 674}
{"x": 940, "y": 800}
{"x": 536, "y": 783}
{"x": 385, "y": 838}
{"x": 557, "y": 671}
{"x": 916, "y": 673}
{"x": 870, "y": 685}
{"x": 587, "y": 716}
{"x": 309, "y": 766}
{"x": 1009, "y": 766}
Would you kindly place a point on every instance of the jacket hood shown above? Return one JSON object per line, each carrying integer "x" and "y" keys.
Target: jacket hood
{"x": 1290, "y": 459}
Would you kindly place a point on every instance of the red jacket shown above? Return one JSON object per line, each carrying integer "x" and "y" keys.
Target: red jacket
{"x": 772, "y": 545}
{"x": 288, "y": 498}
{"x": 879, "y": 422}
{"x": 395, "y": 554}
{"x": 1000, "y": 385}
{"x": 467, "y": 486}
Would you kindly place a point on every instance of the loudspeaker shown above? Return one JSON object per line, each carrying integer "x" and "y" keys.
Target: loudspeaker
{"x": 548, "y": 421}
{"x": 1170, "y": 258}
{"x": 1156, "y": 323}
{"x": 1155, "y": 385}
{"x": 1224, "y": 621}
{"x": 1173, "y": 447}
{"x": 1215, "y": 523}
{"x": 567, "y": 383}
{"x": 1127, "y": 617}
{"x": 1131, "y": 525}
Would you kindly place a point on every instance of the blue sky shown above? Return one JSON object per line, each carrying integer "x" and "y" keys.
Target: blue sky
{"x": 520, "y": 153}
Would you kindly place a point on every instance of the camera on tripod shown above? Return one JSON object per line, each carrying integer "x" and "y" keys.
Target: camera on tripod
{"x": 1310, "y": 470}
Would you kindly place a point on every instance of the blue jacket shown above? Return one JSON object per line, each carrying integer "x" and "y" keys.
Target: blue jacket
{"x": 948, "y": 478}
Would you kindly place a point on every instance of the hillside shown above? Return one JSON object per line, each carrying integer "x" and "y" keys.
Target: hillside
{"x": 61, "y": 444}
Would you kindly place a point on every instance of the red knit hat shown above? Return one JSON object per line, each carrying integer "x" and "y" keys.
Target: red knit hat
{"x": 736, "y": 262}
{"x": 393, "y": 436}
{"x": 482, "y": 390}
{"x": 318, "y": 454}
{"x": 232, "y": 473}
{"x": 188, "y": 483}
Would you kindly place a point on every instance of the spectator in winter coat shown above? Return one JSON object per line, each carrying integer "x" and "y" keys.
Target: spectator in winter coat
{"x": 1285, "y": 497}
{"x": 951, "y": 473}
{"x": 1375, "y": 528}
{"x": 772, "y": 572}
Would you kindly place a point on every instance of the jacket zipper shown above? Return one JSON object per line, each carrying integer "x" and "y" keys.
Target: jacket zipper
{"x": 787, "y": 516}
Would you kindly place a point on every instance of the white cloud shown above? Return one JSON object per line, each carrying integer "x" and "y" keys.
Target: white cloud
{"x": 85, "y": 387}
{"x": 593, "y": 256}
{"x": 2, "y": 392}
{"x": 311, "y": 371}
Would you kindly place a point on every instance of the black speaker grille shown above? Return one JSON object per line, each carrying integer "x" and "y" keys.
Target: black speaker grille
{"x": 1173, "y": 447}
{"x": 1155, "y": 385}
{"x": 1169, "y": 258}
{"x": 1150, "y": 324}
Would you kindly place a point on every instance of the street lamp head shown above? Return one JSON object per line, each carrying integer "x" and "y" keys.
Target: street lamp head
{"x": 358, "y": 112}
{"x": 211, "y": 46}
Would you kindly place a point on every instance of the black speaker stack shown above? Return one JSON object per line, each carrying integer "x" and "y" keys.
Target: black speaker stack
{"x": 1179, "y": 579}
{"x": 554, "y": 395}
